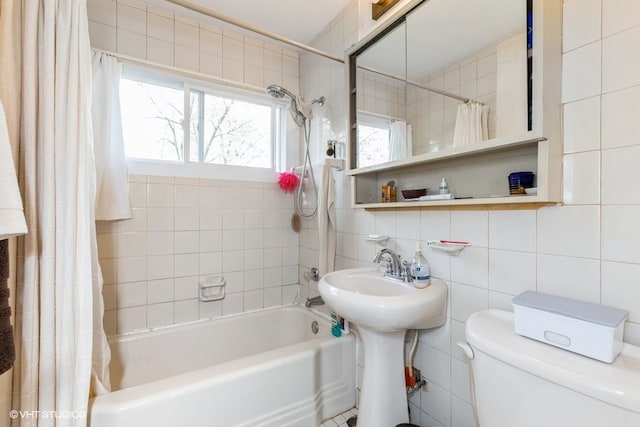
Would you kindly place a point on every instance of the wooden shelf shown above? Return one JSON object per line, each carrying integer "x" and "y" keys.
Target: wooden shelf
{"x": 487, "y": 203}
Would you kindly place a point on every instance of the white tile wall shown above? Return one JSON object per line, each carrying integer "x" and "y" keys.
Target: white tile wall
{"x": 582, "y": 125}
{"x": 433, "y": 116}
{"x": 151, "y": 33}
{"x": 581, "y": 23}
{"x": 582, "y": 71}
{"x": 153, "y": 262}
{"x": 185, "y": 229}
{"x": 586, "y": 249}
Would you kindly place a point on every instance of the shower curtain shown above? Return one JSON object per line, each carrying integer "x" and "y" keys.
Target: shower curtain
{"x": 10, "y": 82}
{"x": 112, "y": 189}
{"x": 400, "y": 141}
{"x": 58, "y": 276}
{"x": 471, "y": 124}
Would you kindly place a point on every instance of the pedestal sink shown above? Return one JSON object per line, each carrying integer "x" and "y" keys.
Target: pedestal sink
{"x": 383, "y": 309}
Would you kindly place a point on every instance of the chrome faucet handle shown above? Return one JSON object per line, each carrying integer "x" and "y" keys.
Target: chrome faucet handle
{"x": 387, "y": 265}
{"x": 406, "y": 272}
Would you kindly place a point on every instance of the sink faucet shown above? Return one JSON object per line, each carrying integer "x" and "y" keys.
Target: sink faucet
{"x": 394, "y": 269}
{"x": 314, "y": 301}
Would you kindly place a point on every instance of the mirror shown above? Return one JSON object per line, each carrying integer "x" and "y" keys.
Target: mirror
{"x": 447, "y": 73}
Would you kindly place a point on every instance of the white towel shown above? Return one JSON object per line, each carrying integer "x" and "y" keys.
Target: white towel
{"x": 12, "y": 221}
{"x": 327, "y": 222}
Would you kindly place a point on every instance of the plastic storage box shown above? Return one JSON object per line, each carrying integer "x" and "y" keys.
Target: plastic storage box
{"x": 589, "y": 329}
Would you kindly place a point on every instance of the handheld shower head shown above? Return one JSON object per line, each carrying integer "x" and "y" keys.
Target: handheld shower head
{"x": 278, "y": 92}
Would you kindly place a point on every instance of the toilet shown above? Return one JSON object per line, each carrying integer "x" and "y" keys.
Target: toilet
{"x": 520, "y": 382}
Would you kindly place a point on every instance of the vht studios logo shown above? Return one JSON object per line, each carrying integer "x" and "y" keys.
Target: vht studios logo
{"x": 47, "y": 414}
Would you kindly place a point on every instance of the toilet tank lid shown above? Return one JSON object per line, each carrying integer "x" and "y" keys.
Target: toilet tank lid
{"x": 492, "y": 332}
{"x": 581, "y": 310}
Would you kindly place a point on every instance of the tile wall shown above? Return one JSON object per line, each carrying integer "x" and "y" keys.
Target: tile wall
{"x": 184, "y": 229}
{"x": 434, "y": 116}
{"x": 382, "y": 96}
{"x": 157, "y": 35}
{"x": 586, "y": 248}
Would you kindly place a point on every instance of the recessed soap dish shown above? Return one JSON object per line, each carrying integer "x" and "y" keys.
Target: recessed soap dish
{"x": 212, "y": 288}
{"x": 377, "y": 238}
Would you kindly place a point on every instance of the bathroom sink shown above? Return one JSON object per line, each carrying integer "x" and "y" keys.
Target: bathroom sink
{"x": 368, "y": 299}
{"x": 383, "y": 309}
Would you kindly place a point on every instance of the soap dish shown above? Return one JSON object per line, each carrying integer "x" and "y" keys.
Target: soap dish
{"x": 377, "y": 238}
{"x": 449, "y": 246}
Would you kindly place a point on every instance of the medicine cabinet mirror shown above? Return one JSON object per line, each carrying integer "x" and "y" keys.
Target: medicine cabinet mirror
{"x": 408, "y": 80}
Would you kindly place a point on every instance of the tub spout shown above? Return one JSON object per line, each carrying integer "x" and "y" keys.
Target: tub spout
{"x": 314, "y": 301}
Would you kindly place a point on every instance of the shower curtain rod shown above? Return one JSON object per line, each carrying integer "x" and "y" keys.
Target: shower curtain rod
{"x": 229, "y": 20}
{"x": 416, "y": 84}
{"x": 180, "y": 71}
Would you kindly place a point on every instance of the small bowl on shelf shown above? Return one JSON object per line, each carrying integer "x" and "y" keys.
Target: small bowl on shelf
{"x": 414, "y": 194}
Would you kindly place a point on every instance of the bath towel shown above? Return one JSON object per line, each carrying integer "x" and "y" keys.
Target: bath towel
{"x": 327, "y": 222}
{"x": 7, "y": 345}
{"x": 12, "y": 221}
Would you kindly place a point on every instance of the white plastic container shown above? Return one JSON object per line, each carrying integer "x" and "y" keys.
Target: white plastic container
{"x": 592, "y": 330}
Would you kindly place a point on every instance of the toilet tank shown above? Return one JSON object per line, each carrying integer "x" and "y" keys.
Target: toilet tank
{"x": 520, "y": 382}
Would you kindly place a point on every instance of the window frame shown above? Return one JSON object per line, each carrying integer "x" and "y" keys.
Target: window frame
{"x": 190, "y": 169}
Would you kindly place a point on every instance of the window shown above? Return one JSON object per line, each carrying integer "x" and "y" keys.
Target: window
{"x": 182, "y": 122}
{"x": 374, "y": 135}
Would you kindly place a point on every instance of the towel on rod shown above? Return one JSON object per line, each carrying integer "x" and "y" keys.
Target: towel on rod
{"x": 7, "y": 344}
{"x": 327, "y": 222}
{"x": 12, "y": 222}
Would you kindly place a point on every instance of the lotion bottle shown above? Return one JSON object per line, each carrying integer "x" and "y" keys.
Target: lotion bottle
{"x": 444, "y": 187}
{"x": 420, "y": 269}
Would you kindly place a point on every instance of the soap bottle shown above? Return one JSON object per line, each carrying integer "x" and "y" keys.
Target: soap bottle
{"x": 444, "y": 187}
{"x": 420, "y": 269}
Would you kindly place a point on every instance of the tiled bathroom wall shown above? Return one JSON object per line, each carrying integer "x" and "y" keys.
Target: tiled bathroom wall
{"x": 585, "y": 248}
{"x": 184, "y": 230}
{"x": 434, "y": 116}
{"x": 154, "y": 34}
{"x": 382, "y": 96}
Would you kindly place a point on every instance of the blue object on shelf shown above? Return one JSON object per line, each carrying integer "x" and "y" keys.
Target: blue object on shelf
{"x": 519, "y": 181}
{"x": 529, "y": 29}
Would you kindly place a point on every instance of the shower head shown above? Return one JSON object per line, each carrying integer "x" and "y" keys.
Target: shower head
{"x": 276, "y": 91}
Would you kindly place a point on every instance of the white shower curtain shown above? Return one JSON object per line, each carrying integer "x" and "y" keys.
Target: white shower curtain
{"x": 471, "y": 124}
{"x": 112, "y": 190}
{"x": 58, "y": 276}
{"x": 400, "y": 142}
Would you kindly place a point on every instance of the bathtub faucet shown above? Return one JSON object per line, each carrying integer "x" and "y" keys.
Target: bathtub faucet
{"x": 314, "y": 301}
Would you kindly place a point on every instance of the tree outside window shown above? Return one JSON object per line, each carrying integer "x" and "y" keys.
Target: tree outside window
{"x": 222, "y": 130}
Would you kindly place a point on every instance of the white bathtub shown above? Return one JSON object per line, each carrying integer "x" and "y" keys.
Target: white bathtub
{"x": 264, "y": 368}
